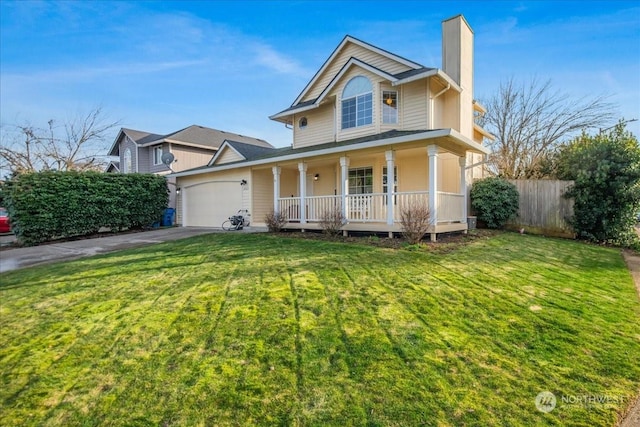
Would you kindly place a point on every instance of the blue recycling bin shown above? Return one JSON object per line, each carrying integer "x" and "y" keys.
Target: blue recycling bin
{"x": 167, "y": 217}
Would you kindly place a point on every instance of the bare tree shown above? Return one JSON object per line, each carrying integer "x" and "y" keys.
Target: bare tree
{"x": 78, "y": 144}
{"x": 529, "y": 121}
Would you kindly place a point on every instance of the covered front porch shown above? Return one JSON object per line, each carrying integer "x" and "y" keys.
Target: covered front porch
{"x": 371, "y": 189}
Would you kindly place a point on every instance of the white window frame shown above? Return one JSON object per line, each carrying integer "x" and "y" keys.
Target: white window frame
{"x": 367, "y": 171}
{"x": 389, "y": 112}
{"x": 362, "y": 100}
{"x": 127, "y": 162}
{"x": 157, "y": 155}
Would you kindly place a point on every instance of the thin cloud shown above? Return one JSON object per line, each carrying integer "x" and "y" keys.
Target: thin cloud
{"x": 268, "y": 57}
{"x": 92, "y": 73}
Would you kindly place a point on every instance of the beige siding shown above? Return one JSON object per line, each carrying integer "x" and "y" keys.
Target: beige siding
{"x": 451, "y": 111}
{"x": 327, "y": 184}
{"x": 448, "y": 173}
{"x": 320, "y": 127}
{"x": 262, "y": 193}
{"x": 414, "y": 102}
{"x": 413, "y": 170}
{"x": 364, "y": 55}
{"x": 189, "y": 157}
{"x": 289, "y": 183}
{"x": 228, "y": 156}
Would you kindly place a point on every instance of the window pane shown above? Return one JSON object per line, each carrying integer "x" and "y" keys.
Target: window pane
{"x": 349, "y": 113}
{"x": 357, "y": 86}
{"x": 389, "y": 107}
{"x": 361, "y": 181}
{"x": 365, "y": 109}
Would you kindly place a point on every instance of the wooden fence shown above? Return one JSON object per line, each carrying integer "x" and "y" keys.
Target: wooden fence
{"x": 543, "y": 207}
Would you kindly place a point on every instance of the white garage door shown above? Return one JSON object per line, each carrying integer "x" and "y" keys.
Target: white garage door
{"x": 208, "y": 205}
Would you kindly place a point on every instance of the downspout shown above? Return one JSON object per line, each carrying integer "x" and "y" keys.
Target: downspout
{"x": 484, "y": 161}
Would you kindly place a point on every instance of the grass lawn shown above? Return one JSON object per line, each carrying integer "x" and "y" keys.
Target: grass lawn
{"x": 239, "y": 329}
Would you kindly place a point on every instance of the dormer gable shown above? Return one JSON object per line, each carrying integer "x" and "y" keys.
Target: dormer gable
{"x": 351, "y": 47}
{"x": 234, "y": 151}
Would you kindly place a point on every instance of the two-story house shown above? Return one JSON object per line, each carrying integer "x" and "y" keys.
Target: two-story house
{"x": 193, "y": 146}
{"x": 372, "y": 132}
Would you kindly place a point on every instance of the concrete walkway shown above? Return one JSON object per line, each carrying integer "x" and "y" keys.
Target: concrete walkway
{"x": 15, "y": 258}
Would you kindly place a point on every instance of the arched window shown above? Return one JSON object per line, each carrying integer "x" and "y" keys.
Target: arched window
{"x": 357, "y": 103}
{"x": 127, "y": 161}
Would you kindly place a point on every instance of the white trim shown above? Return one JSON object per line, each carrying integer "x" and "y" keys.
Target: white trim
{"x": 276, "y": 170}
{"x": 432, "y": 152}
{"x": 153, "y": 154}
{"x": 434, "y": 72}
{"x": 302, "y": 172}
{"x": 483, "y": 132}
{"x": 343, "y": 71}
{"x": 390, "y": 157}
{"x": 218, "y": 152}
{"x": 337, "y": 51}
{"x": 351, "y": 62}
{"x": 467, "y": 144}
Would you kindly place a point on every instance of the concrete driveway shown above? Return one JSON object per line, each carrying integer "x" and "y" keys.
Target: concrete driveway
{"x": 14, "y": 258}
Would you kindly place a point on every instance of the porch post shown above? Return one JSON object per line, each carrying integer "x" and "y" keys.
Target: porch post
{"x": 344, "y": 184}
{"x": 302, "y": 168}
{"x": 463, "y": 187}
{"x": 276, "y": 188}
{"x": 390, "y": 156}
{"x": 432, "y": 150}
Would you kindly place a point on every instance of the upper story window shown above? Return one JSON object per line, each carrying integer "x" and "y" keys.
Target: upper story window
{"x": 302, "y": 123}
{"x": 157, "y": 155}
{"x": 389, "y": 107}
{"x": 127, "y": 161}
{"x": 357, "y": 103}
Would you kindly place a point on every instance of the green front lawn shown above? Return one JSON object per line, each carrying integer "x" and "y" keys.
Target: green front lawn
{"x": 238, "y": 329}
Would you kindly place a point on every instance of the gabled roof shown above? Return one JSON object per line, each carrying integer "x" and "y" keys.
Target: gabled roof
{"x": 194, "y": 136}
{"x": 395, "y": 79}
{"x": 337, "y": 50}
{"x": 137, "y": 136}
{"x": 113, "y": 166}
{"x": 416, "y": 72}
{"x": 200, "y": 136}
{"x": 246, "y": 151}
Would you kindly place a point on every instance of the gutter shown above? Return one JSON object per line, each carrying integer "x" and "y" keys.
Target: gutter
{"x": 430, "y": 134}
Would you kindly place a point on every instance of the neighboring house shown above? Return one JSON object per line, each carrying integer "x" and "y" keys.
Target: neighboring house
{"x": 191, "y": 147}
{"x": 372, "y": 132}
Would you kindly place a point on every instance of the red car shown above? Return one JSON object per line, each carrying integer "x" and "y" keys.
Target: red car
{"x": 4, "y": 221}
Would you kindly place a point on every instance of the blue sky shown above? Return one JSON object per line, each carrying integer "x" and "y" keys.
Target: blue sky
{"x": 162, "y": 66}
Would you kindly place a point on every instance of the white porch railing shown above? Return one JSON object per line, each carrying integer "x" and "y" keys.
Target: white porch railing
{"x": 405, "y": 199}
{"x": 372, "y": 207}
{"x": 317, "y": 206}
{"x": 451, "y": 207}
{"x": 290, "y": 207}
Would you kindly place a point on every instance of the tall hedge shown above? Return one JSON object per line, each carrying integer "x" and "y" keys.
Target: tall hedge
{"x": 49, "y": 205}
